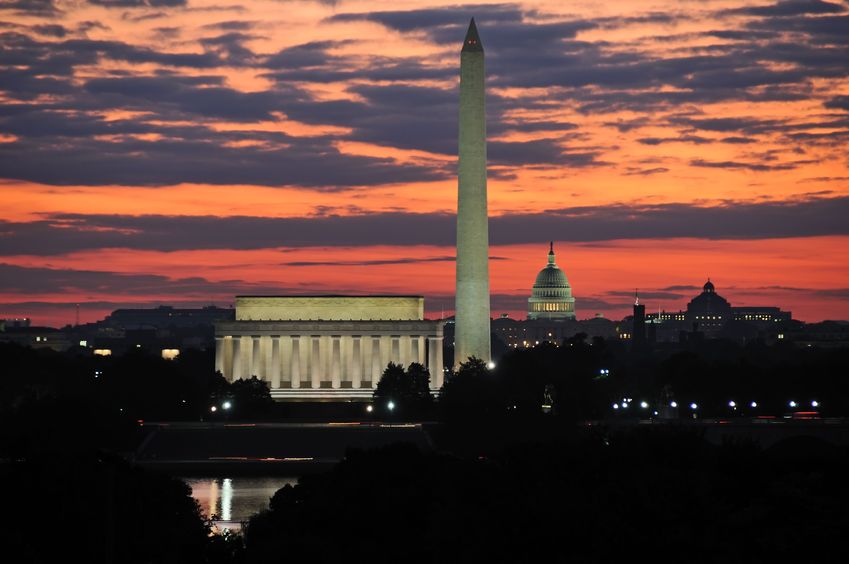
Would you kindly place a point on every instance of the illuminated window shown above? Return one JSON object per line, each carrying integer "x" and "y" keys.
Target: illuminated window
{"x": 170, "y": 354}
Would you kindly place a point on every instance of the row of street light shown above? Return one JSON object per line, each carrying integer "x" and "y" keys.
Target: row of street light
{"x": 626, "y": 402}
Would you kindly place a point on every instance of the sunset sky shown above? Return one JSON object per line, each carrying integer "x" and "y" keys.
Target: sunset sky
{"x": 185, "y": 151}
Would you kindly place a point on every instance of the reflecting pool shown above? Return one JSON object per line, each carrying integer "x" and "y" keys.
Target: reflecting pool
{"x": 234, "y": 500}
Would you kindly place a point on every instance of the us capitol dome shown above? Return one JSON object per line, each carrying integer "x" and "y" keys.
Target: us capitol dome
{"x": 551, "y": 297}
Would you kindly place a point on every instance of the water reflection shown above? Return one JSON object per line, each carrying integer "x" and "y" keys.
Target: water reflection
{"x": 233, "y": 500}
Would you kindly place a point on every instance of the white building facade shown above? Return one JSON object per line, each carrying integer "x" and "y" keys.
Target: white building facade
{"x": 326, "y": 347}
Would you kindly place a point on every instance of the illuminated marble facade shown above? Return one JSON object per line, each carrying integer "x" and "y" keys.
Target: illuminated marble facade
{"x": 551, "y": 297}
{"x": 324, "y": 347}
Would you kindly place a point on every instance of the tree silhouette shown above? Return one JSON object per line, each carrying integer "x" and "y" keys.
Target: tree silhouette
{"x": 408, "y": 390}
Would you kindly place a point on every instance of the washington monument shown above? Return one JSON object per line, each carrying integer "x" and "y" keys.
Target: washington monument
{"x": 471, "y": 336}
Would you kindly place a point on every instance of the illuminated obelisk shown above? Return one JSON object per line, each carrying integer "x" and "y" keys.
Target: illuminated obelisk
{"x": 471, "y": 336}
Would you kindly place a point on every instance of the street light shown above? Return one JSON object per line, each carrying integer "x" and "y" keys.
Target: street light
{"x": 369, "y": 408}
{"x": 754, "y": 404}
{"x": 815, "y": 403}
{"x": 644, "y": 405}
{"x": 673, "y": 404}
{"x": 390, "y": 405}
{"x": 792, "y": 403}
{"x": 213, "y": 409}
{"x": 227, "y": 405}
{"x": 732, "y": 403}
{"x": 694, "y": 406}
{"x": 490, "y": 365}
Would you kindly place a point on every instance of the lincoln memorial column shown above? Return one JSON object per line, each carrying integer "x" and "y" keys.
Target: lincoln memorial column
{"x": 256, "y": 359}
{"x": 421, "y": 344}
{"x": 275, "y": 361}
{"x": 219, "y": 355}
{"x": 356, "y": 361}
{"x": 297, "y": 360}
{"x": 416, "y": 354}
{"x": 236, "y": 373}
{"x": 336, "y": 362}
{"x": 396, "y": 350}
{"x": 405, "y": 347}
{"x": 381, "y": 358}
{"x": 285, "y": 359}
{"x": 315, "y": 362}
{"x": 414, "y": 349}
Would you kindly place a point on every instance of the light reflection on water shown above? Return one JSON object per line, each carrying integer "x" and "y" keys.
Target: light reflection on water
{"x": 233, "y": 500}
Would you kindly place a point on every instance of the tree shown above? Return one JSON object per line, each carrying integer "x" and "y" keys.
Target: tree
{"x": 473, "y": 392}
{"x": 251, "y": 397}
{"x": 409, "y": 389}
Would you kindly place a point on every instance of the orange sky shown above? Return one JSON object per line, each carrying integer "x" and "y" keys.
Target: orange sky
{"x": 695, "y": 139}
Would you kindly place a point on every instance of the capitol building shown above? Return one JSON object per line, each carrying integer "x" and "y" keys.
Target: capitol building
{"x": 551, "y": 297}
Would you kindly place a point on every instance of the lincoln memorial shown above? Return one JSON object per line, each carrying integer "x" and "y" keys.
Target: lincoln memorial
{"x": 326, "y": 347}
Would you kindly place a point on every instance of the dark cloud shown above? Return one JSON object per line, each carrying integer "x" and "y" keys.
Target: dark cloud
{"x": 378, "y": 262}
{"x": 138, "y": 3}
{"x": 777, "y": 56}
{"x": 790, "y": 8}
{"x": 634, "y": 171}
{"x": 231, "y": 25}
{"x": 695, "y": 139}
{"x": 838, "y": 103}
{"x": 184, "y": 96}
{"x": 737, "y": 165}
{"x": 734, "y": 220}
{"x": 539, "y": 152}
{"x": 455, "y": 17}
{"x": 52, "y": 30}
{"x": 230, "y": 48}
{"x": 680, "y": 288}
{"x": 35, "y": 280}
{"x": 314, "y": 163}
{"x": 819, "y": 31}
{"x": 648, "y": 295}
{"x": 734, "y": 140}
{"x": 31, "y": 7}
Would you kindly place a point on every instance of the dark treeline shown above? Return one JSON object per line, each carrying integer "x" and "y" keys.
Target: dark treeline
{"x": 507, "y": 481}
{"x": 583, "y": 379}
{"x": 635, "y": 496}
{"x": 93, "y": 506}
{"x": 137, "y": 384}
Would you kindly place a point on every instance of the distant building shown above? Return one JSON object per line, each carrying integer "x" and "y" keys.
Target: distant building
{"x": 711, "y": 315}
{"x": 157, "y": 328}
{"x": 164, "y": 317}
{"x": 16, "y": 322}
{"x": 36, "y": 337}
{"x": 709, "y": 311}
{"x": 326, "y": 347}
{"x": 519, "y": 334}
{"x": 551, "y": 296}
{"x": 825, "y": 334}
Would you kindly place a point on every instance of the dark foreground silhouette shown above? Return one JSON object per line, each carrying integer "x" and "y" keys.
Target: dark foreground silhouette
{"x": 629, "y": 497}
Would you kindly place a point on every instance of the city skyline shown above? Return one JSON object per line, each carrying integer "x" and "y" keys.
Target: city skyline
{"x": 184, "y": 152}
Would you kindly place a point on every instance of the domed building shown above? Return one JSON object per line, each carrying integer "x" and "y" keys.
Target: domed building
{"x": 710, "y": 310}
{"x": 551, "y": 297}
